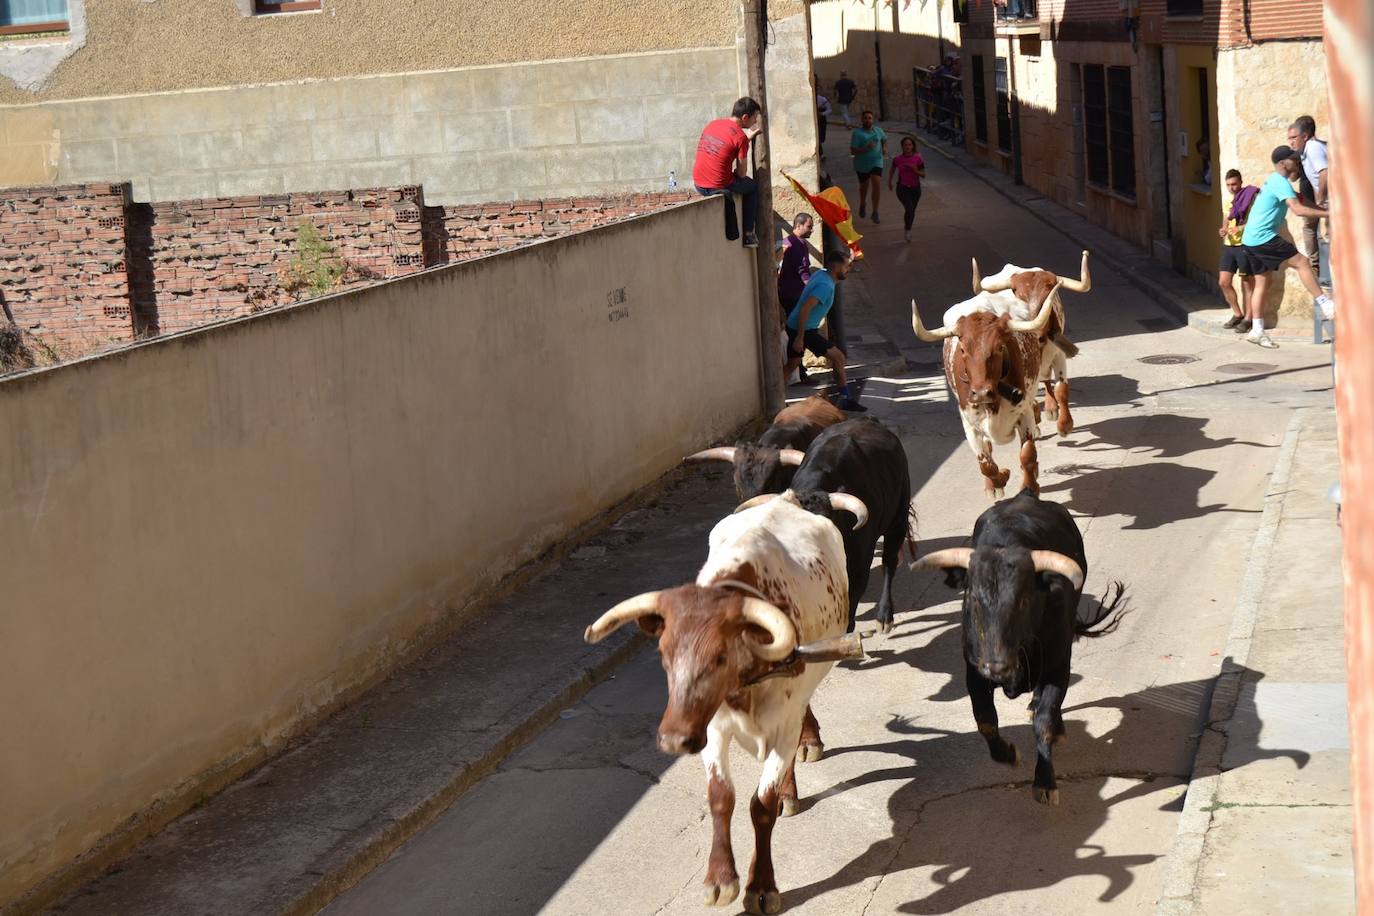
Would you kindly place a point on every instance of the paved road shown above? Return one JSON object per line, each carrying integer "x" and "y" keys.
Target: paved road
{"x": 905, "y": 814}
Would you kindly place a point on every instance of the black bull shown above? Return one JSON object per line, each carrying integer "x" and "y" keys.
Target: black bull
{"x": 1022, "y": 580}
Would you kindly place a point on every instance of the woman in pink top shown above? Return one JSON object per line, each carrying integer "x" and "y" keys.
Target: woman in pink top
{"x": 907, "y": 170}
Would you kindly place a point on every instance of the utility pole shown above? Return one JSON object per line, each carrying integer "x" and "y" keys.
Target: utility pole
{"x": 770, "y": 325}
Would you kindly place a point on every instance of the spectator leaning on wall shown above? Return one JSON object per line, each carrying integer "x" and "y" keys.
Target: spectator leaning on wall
{"x": 723, "y": 159}
{"x": 795, "y": 270}
{"x": 1302, "y": 136}
{"x": 1233, "y": 255}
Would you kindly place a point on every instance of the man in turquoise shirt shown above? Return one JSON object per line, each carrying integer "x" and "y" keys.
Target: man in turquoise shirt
{"x": 868, "y": 146}
{"x": 815, "y": 302}
{"x": 1268, "y": 252}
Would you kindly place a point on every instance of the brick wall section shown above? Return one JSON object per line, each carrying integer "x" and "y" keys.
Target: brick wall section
{"x": 1222, "y": 22}
{"x": 467, "y": 232}
{"x": 62, "y": 263}
{"x": 223, "y": 257}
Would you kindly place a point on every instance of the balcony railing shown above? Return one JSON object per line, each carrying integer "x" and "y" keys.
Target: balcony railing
{"x": 1013, "y": 11}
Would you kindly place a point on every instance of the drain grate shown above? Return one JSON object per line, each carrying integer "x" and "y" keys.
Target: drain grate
{"x": 1168, "y": 359}
{"x": 1246, "y": 368}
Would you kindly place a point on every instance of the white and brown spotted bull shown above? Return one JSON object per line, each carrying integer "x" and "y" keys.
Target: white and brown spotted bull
{"x": 1020, "y": 292}
{"x": 734, "y": 647}
{"x": 992, "y": 365}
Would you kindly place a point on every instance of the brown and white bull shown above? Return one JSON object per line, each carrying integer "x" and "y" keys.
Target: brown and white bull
{"x": 992, "y": 364}
{"x": 774, "y": 580}
{"x": 1020, "y": 292}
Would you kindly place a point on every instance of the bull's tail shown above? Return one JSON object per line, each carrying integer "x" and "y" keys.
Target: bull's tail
{"x": 911, "y": 531}
{"x": 1061, "y": 340}
{"x": 1106, "y": 613}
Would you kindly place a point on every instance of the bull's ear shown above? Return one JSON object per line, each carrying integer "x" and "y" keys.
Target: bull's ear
{"x": 956, "y": 577}
{"x": 651, "y": 625}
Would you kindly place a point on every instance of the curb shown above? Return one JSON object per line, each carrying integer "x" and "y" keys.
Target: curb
{"x": 1185, "y": 855}
{"x": 1163, "y": 296}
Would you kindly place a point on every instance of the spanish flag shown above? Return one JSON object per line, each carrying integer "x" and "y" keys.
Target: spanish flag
{"x": 833, "y": 209}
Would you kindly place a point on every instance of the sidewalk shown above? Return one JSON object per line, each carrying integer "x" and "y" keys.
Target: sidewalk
{"x": 1176, "y": 294}
{"x": 1274, "y": 837}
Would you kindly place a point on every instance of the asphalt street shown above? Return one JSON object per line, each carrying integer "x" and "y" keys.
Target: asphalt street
{"x": 1166, "y": 471}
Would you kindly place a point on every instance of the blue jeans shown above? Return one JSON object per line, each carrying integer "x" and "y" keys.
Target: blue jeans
{"x": 747, "y": 188}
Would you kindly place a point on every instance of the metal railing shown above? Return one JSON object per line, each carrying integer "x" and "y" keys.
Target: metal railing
{"x": 939, "y": 103}
{"x": 1015, "y": 10}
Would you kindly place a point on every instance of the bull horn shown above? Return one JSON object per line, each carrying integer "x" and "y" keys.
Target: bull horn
{"x": 977, "y": 280}
{"x": 995, "y": 286}
{"x": 1042, "y": 319}
{"x": 851, "y": 504}
{"x": 755, "y": 501}
{"x": 943, "y": 559}
{"x": 723, "y": 453}
{"x": 627, "y": 610}
{"x": 791, "y": 456}
{"x": 1084, "y": 281}
{"x": 762, "y": 614}
{"x": 1055, "y": 562}
{"x": 922, "y": 333}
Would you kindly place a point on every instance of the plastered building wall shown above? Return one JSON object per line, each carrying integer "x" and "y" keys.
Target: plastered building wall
{"x": 268, "y": 512}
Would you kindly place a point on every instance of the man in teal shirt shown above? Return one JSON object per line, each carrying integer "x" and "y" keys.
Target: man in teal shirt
{"x": 815, "y": 302}
{"x": 868, "y": 146}
{"x": 1268, "y": 252}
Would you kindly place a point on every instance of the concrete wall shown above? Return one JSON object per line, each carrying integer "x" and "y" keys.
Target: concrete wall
{"x": 550, "y": 129}
{"x": 211, "y": 538}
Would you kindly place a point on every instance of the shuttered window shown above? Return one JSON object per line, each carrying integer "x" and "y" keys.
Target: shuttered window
{"x": 18, "y": 17}
{"x": 980, "y": 99}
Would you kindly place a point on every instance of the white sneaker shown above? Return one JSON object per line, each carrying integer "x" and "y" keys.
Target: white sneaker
{"x": 1328, "y": 307}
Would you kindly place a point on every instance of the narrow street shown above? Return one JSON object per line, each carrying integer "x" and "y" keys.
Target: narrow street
{"x": 1166, "y": 472}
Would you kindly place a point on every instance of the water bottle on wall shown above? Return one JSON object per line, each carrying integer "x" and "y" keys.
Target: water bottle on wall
{"x": 672, "y": 181}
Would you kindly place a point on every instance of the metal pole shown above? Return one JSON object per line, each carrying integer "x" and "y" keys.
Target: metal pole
{"x": 770, "y": 325}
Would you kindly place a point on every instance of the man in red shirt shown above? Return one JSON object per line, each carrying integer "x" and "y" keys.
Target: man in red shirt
{"x": 723, "y": 158}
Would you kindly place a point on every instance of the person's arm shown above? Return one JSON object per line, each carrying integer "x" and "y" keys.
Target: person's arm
{"x": 920, "y": 167}
{"x": 1321, "y": 187}
{"x": 891, "y": 174}
{"x": 742, "y": 161}
{"x": 1296, "y": 205}
{"x": 805, "y": 309}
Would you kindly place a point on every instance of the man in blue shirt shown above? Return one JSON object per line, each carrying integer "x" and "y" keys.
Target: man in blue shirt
{"x": 1266, "y": 251}
{"x": 868, "y": 146}
{"x": 814, "y": 303}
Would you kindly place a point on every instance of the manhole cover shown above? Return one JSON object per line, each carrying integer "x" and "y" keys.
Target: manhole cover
{"x": 1246, "y": 368}
{"x": 1168, "y": 359}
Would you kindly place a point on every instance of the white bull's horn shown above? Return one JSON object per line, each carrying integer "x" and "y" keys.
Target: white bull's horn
{"x": 627, "y": 610}
{"x": 723, "y": 453}
{"x": 995, "y": 286}
{"x": 851, "y": 504}
{"x": 1055, "y": 562}
{"x": 791, "y": 456}
{"x": 943, "y": 559}
{"x": 977, "y": 280}
{"x": 922, "y": 333}
{"x": 1084, "y": 281}
{"x": 1042, "y": 318}
{"x": 755, "y": 501}
{"x": 762, "y": 614}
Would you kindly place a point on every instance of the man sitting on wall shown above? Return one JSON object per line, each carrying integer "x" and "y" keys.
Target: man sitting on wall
{"x": 722, "y": 162}
{"x": 1267, "y": 252}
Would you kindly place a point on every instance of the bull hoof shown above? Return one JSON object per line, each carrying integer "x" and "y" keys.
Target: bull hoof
{"x": 722, "y": 894}
{"x": 885, "y": 626}
{"x": 1046, "y": 796}
{"x": 810, "y": 753}
{"x": 790, "y": 806}
{"x": 763, "y": 902}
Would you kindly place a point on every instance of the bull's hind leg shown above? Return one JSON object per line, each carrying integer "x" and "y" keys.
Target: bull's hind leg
{"x": 1061, "y": 396}
{"x": 722, "y": 881}
{"x": 893, "y": 539}
{"x": 761, "y": 893}
{"x": 1050, "y": 410}
{"x": 811, "y": 747}
{"x": 985, "y": 714}
{"x": 1030, "y": 463}
{"x": 1049, "y": 729}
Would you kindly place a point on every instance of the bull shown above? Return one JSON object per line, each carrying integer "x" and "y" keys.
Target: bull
{"x": 1022, "y": 580}
{"x": 767, "y": 465}
{"x": 992, "y": 362}
{"x": 774, "y": 580}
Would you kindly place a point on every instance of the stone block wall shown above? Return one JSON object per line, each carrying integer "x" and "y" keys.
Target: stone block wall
{"x": 63, "y": 265}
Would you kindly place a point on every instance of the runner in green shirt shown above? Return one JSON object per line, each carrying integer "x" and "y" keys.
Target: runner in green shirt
{"x": 868, "y": 146}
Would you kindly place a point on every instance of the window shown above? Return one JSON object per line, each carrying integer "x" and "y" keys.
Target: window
{"x": 23, "y": 17}
{"x": 1003, "y": 104}
{"x": 961, "y": 11}
{"x": 1109, "y": 133}
{"x": 980, "y": 99}
{"x": 1183, "y": 8}
{"x": 1203, "y": 129}
{"x": 285, "y": 6}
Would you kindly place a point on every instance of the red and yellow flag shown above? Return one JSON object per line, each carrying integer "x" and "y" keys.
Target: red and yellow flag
{"x": 833, "y": 209}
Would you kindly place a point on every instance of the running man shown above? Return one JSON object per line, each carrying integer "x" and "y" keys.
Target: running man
{"x": 868, "y": 146}
{"x": 804, "y": 323}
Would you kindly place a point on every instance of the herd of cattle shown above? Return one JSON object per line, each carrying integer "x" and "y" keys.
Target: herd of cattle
{"x": 773, "y": 608}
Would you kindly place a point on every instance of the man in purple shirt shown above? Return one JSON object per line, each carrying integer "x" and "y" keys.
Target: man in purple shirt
{"x": 796, "y": 269}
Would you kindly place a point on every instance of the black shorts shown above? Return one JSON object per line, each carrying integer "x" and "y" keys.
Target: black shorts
{"x": 813, "y": 340}
{"x": 871, "y": 173}
{"x": 1261, "y": 259}
{"x": 1233, "y": 260}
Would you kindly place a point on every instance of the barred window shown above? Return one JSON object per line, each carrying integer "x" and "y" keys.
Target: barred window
{"x": 1108, "y": 127}
{"x": 980, "y": 99}
{"x": 1003, "y": 104}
